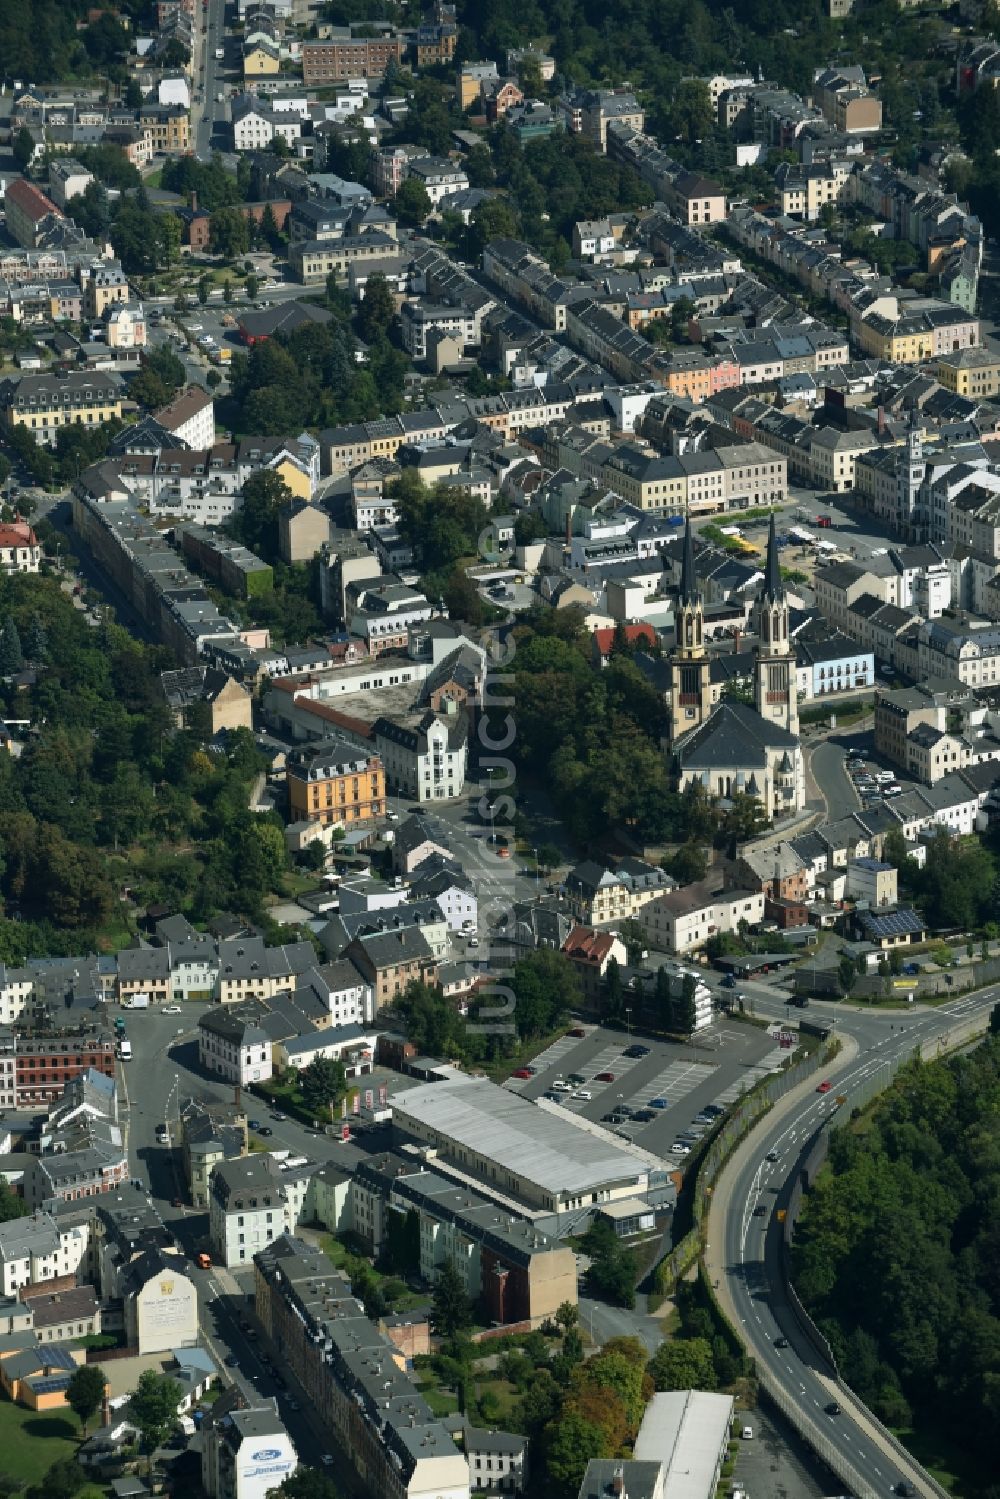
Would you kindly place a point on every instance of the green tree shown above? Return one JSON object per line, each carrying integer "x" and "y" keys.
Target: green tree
{"x": 687, "y": 1012}
{"x": 228, "y": 233}
{"x": 412, "y": 203}
{"x": 683, "y": 1364}
{"x": 451, "y": 1309}
{"x": 847, "y": 973}
{"x": 153, "y": 1407}
{"x": 545, "y": 989}
{"x": 11, "y": 1206}
{"x": 36, "y": 642}
{"x": 250, "y": 287}
{"x": 323, "y": 1083}
{"x": 204, "y": 288}
{"x": 167, "y": 240}
{"x": 23, "y": 148}
{"x": 265, "y": 495}
{"x": 11, "y": 655}
{"x": 377, "y": 309}
{"x": 613, "y": 991}
{"x": 569, "y": 1445}
{"x": 85, "y": 1392}
{"x": 305, "y": 1483}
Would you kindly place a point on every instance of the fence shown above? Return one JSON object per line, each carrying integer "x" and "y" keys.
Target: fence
{"x": 739, "y": 1124}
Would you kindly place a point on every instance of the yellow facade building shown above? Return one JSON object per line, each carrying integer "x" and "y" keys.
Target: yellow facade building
{"x": 44, "y": 403}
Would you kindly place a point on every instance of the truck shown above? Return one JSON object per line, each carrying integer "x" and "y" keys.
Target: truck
{"x": 119, "y": 1027}
{"x": 125, "y": 1049}
{"x": 136, "y": 1002}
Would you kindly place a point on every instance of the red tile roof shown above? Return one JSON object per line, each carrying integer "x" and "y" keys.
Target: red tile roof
{"x": 605, "y": 639}
{"x": 589, "y": 946}
{"x": 31, "y": 200}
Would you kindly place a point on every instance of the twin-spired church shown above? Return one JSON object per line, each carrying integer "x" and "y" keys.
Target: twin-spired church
{"x": 731, "y": 747}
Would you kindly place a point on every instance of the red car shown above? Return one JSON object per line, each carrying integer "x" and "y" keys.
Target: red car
{"x": 604, "y": 1077}
{"x": 521, "y": 1072}
{"x": 577, "y": 1031}
{"x": 824, "y": 1087}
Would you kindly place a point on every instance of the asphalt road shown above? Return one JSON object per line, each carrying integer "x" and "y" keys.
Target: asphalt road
{"x": 753, "y": 1252}
{"x": 834, "y": 784}
{"x": 210, "y": 28}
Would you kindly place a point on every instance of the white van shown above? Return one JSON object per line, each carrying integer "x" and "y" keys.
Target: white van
{"x": 125, "y": 1049}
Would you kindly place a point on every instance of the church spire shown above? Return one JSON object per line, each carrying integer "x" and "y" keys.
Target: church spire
{"x": 689, "y": 592}
{"x": 774, "y": 588}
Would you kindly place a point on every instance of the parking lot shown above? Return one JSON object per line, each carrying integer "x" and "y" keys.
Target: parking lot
{"x": 652, "y": 1098}
{"x": 874, "y": 783}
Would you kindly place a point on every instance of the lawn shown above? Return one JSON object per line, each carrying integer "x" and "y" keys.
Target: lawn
{"x": 943, "y": 1457}
{"x": 31, "y": 1442}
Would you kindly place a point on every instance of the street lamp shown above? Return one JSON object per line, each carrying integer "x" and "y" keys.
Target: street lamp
{"x": 628, "y": 1022}
{"x": 534, "y": 855}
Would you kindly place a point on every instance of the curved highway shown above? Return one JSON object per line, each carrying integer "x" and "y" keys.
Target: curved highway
{"x": 745, "y": 1254}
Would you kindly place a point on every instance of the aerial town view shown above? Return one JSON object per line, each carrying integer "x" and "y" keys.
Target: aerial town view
{"x": 499, "y": 749}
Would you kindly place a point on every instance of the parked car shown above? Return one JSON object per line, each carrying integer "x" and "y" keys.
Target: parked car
{"x": 643, "y": 1116}
{"x": 604, "y": 1077}
{"x": 521, "y": 1072}
{"x": 265, "y": 1130}
{"x": 636, "y": 1051}
{"x": 172, "y": 1009}
{"x": 577, "y": 1031}
{"x": 278, "y": 1116}
{"x": 560, "y": 1087}
{"x": 679, "y": 1148}
{"x": 781, "y": 1342}
{"x": 584, "y": 1094}
{"x": 760, "y": 1211}
{"x": 253, "y": 1124}
{"x": 658, "y": 1103}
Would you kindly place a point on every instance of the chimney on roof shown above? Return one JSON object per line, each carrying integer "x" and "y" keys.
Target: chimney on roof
{"x": 618, "y": 1481}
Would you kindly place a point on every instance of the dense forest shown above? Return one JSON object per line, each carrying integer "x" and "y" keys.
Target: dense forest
{"x": 897, "y": 1256}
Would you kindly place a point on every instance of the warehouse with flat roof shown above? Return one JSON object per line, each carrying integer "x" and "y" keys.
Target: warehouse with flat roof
{"x": 541, "y": 1157}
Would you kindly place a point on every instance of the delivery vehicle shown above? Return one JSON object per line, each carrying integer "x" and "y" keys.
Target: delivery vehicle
{"x": 125, "y": 1049}
{"x": 136, "y": 1002}
{"x": 220, "y": 53}
{"x": 203, "y": 1261}
{"x": 119, "y": 1026}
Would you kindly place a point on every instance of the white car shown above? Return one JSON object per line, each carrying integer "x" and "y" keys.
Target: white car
{"x": 583, "y": 1093}
{"x": 679, "y": 1148}
{"x": 172, "y": 1010}
{"x": 560, "y": 1087}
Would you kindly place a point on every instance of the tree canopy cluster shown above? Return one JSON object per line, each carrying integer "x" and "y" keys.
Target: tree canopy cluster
{"x": 311, "y": 378}
{"x": 545, "y": 989}
{"x": 896, "y": 1255}
{"x": 959, "y": 884}
{"x": 595, "y": 736}
{"x": 109, "y": 794}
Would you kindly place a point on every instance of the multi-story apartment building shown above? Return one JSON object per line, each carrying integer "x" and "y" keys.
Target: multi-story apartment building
{"x": 27, "y": 210}
{"x": 343, "y": 56}
{"x": 389, "y": 960}
{"x": 167, "y": 127}
{"x": 40, "y": 1250}
{"x": 352, "y": 1375}
{"x": 330, "y": 781}
{"x": 105, "y": 287}
{"x": 246, "y": 1452}
{"x": 43, "y": 1065}
{"x": 251, "y": 1202}
{"x": 974, "y": 373}
{"x": 232, "y": 1045}
{"x": 44, "y": 403}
